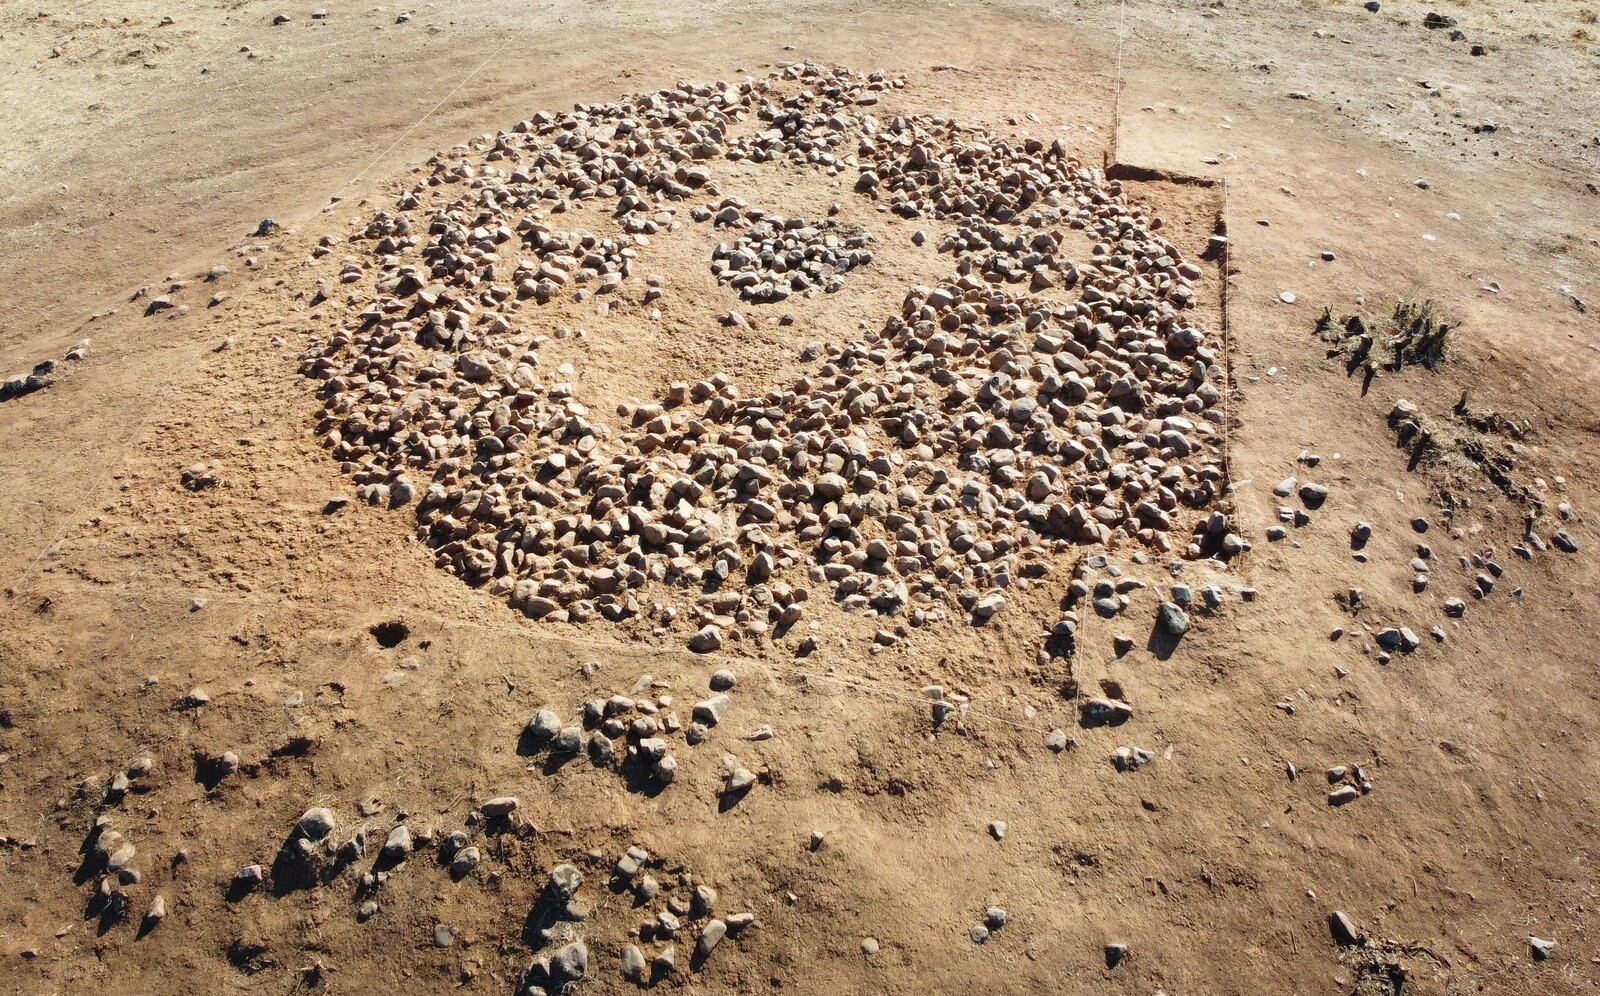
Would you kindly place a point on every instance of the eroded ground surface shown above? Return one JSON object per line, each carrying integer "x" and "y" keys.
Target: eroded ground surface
{"x": 204, "y": 577}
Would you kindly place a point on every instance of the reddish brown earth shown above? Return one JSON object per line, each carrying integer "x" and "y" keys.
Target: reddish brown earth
{"x": 125, "y": 164}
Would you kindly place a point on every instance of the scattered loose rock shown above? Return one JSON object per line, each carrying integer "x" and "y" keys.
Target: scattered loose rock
{"x": 1343, "y": 929}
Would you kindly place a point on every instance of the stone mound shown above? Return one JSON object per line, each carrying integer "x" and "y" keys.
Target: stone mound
{"x": 1050, "y": 392}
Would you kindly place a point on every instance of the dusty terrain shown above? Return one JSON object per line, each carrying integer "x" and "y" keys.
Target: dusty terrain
{"x": 141, "y": 155}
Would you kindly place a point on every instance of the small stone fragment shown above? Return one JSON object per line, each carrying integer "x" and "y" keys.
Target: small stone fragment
{"x": 710, "y": 937}
{"x": 544, "y": 725}
{"x": 565, "y": 880}
{"x": 568, "y": 741}
{"x": 500, "y": 805}
{"x": 1173, "y": 619}
{"x": 707, "y": 639}
{"x": 633, "y": 963}
{"x": 570, "y": 963}
{"x": 1343, "y": 929}
{"x": 119, "y": 858}
{"x": 631, "y": 861}
{"x": 989, "y": 605}
{"x": 398, "y": 844}
{"x": 465, "y": 861}
{"x": 709, "y": 711}
{"x": 316, "y": 823}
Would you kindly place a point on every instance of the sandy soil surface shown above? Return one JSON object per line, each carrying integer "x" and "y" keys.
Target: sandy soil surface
{"x": 140, "y": 155}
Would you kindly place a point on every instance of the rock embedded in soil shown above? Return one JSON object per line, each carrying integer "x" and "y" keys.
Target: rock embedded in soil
{"x": 398, "y": 844}
{"x": 316, "y": 823}
{"x": 568, "y": 741}
{"x": 707, "y": 639}
{"x": 501, "y": 805}
{"x": 119, "y": 858}
{"x": 465, "y": 861}
{"x": 570, "y": 963}
{"x": 709, "y": 711}
{"x": 631, "y": 861}
{"x": 1343, "y": 929}
{"x": 633, "y": 963}
{"x": 565, "y": 880}
{"x": 710, "y": 937}
{"x": 989, "y": 605}
{"x": 155, "y": 914}
{"x": 544, "y": 725}
{"x": 1173, "y": 619}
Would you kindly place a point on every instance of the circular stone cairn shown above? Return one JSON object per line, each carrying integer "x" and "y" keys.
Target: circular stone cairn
{"x": 1052, "y": 391}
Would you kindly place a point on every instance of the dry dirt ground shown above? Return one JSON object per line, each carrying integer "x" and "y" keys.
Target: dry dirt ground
{"x": 138, "y": 154}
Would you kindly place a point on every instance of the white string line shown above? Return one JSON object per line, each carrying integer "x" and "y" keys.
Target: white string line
{"x": 1116, "y": 106}
{"x": 1227, "y": 339}
{"x": 537, "y": 635}
{"x": 1227, "y": 352}
{"x": 465, "y": 80}
{"x": 148, "y": 414}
